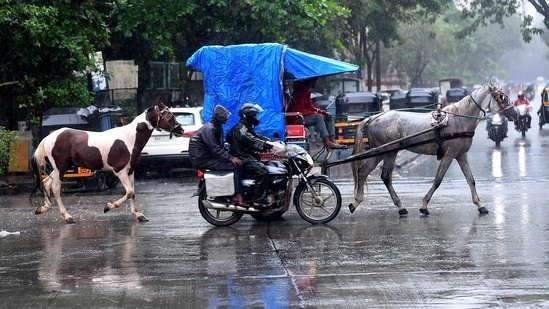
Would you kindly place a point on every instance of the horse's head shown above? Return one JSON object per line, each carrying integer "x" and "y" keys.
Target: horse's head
{"x": 160, "y": 117}
{"x": 503, "y": 103}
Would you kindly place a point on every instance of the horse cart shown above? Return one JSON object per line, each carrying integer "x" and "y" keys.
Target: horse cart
{"x": 446, "y": 133}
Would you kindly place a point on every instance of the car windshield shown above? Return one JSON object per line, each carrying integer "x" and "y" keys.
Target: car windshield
{"x": 186, "y": 119}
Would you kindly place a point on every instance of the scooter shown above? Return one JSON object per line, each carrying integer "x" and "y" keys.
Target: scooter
{"x": 497, "y": 128}
{"x": 316, "y": 198}
{"x": 521, "y": 124}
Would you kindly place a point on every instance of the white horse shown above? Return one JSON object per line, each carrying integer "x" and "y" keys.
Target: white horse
{"x": 117, "y": 150}
{"x": 453, "y": 141}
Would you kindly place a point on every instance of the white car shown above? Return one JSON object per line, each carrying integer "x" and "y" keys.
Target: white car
{"x": 161, "y": 154}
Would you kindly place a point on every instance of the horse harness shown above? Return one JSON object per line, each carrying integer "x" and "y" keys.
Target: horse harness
{"x": 165, "y": 115}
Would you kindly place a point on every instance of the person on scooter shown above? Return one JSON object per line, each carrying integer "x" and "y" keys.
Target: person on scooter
{"x": 247, "y": 144}
{"x": 521, "y": 100}
{"x": 313, "y": 116}
{"x": 206, "y": 151}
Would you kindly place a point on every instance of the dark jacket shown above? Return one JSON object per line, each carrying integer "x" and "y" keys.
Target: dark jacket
{"x": 245, "y": 142}
{"x": 206, "y": 144}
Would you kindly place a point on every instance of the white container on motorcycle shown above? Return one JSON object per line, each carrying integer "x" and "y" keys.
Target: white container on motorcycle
{"x": 279, "y": 148}
{"x": 219, "y": 183}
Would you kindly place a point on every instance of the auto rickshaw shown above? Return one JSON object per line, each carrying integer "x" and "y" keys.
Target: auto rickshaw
{"x": 543, "y": 111}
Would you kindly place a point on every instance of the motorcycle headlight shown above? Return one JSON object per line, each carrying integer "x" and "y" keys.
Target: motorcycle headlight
{"x": 309, "y": 159}
{"x": 496, "y": 119}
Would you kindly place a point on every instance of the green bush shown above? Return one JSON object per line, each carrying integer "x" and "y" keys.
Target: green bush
{"x": 6, "y": 138}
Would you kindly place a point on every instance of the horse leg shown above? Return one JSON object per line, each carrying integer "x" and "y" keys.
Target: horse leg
{"x": 441, "y": 171}
{"x": 128, "y": 182}
{"x": 56, "y": 188}
{"x": 361, "y": 170}
{"x": 387, "y": 177}
{"x": 464, "y": 165}
{"x": 47, "y": 201}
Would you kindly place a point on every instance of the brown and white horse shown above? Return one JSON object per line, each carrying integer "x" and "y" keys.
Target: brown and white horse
{"x": 117, "y": 150}
{"x": 392, "y": 128}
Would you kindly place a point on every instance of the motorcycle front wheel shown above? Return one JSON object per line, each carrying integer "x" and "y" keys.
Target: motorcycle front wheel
{"x": 322, "y": 209}
{"x": 217, "y": 217}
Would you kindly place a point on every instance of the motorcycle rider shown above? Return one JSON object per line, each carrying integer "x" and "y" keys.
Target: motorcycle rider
{"x": 490, "y": 117}
{"x": 247, "y": 144}
{"x": 206, "y": 151}
{"x": 521, "y": 100}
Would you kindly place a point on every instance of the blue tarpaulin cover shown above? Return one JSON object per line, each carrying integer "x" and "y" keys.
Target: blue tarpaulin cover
{"x": 238, "y": 74}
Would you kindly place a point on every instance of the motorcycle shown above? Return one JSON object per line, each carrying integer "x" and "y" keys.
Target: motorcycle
{"x": 521, "y": 124}
{"x": 497, "y": 128}
{"x": 317, "y": 199}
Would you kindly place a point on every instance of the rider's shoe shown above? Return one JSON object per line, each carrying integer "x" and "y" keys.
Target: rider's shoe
{"x": 332, "y": 144}
{"x": 238, "y": 200}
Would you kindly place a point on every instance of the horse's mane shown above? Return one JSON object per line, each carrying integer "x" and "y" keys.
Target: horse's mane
{"x": 468, "y": 99}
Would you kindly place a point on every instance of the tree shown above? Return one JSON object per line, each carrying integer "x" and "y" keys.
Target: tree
{"x": 430, "y": 52}
{"x": 374, "y": 22}
{"x": 46, "y": 49}
{"x": 144, "y": 30}
{"x": 482, "y": 12}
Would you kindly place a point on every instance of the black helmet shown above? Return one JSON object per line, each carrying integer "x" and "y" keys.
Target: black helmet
{"x": 248, "y": 112}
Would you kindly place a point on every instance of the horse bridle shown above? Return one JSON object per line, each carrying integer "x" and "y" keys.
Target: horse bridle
{"x": 165, "y": 115}
{"x": 497, "y": 95}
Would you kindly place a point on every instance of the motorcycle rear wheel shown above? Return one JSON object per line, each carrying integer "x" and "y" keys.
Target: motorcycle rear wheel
{"x": 217, "y": 217}
{"x": 321, "y": 210}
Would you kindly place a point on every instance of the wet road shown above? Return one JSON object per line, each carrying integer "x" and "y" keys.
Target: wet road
{"x": 370, "y": 259}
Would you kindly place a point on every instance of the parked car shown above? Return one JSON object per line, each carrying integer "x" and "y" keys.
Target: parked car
{"x": 162, "y": 153}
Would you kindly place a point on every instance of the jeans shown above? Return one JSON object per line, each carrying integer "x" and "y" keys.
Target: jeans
{"x": 325, "y": 127}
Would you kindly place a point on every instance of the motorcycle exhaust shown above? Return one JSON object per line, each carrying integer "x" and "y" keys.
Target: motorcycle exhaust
{"x": 227, "y": 207}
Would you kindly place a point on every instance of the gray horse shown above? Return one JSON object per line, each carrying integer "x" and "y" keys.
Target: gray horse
{"x": 416, "y": 132}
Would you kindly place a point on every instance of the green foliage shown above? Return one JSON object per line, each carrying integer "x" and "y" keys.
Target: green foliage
{"x": 484, "y": 12}
{"x": 45, "y": 43}
{"x": 429, "y": 52}
{"x": 6, "y": 137}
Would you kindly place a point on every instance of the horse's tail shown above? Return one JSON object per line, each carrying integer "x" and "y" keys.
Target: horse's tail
{"x": 358, "y": 147}
{"x": 38, "y": 163}
{"x": 359, "y": 137}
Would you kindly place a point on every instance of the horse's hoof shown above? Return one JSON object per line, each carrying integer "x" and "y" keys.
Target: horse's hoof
{"x": 70, "y": 220}
{"x": 142, "y": 219}
{"x": 424, "y": 211}
{"x": 483, "y": 210}
{"x": 37, "y": 211}
{"x": 106, "y": 209}
{"x": 351, "y": 208}
{"x": 403, "y": 212}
